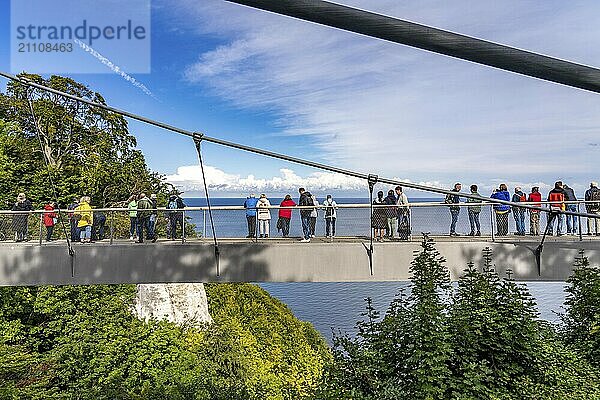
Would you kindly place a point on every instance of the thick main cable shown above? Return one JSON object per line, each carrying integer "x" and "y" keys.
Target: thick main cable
{"x": 435, "y": 40}
{"x": 284, "y": 157}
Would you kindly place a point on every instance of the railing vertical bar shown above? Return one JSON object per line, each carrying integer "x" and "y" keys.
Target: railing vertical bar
{"x": 41, "y": 227}
{"x": 492, "y": 222}
{"x": 204, "y": 222}
{"x": 112, "y": 226}
{"x": 579, "y": 223}
{"x": 182, "y": 227}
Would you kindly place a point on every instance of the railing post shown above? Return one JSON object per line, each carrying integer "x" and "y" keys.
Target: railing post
{"x": 256, "y": 225}
{"x": 182, "y": 227}
{"x": 492, "y": 222}
{"x": 204, "y": 222}
{"x": 579, "y": 222}
{"x": 112, "y": 226}
{"x": 41, "y": 227}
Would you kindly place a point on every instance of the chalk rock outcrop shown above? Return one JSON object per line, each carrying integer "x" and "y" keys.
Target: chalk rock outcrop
{"x": 180, "y": 303}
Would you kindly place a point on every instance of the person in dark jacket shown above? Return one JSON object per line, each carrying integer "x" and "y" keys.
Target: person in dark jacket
{"x": 99, "y": 225}
{"x": 571, "y": 219}
{"x": 250, "y": 206}
{"x": 593, "y": 207}
{"x": 501, "y": 210}
{"x": 454, "y": 210}
{"x": 23, "y": 206}
{"x": 391, "y": 213}
{"x": 285, "y": 215}
{"x": 144, "y": 210}
{"x": 379, "y": 218}
{"x": 175, "y": 205}
{"x": 474, "y": 210}
{"x": 556, "y": 197}
{"x": 306, "y": 200}
{"x": 519, "y": 212}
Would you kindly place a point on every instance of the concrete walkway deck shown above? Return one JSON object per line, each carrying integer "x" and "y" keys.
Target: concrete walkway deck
{"x": 275, "y": 260}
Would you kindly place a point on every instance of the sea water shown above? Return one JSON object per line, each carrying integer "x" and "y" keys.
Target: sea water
{"x": 337, "y": 306}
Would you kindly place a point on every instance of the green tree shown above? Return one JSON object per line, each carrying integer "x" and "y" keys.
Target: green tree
{"x": 581, "y": 322}
{"x": 481, "y": 341}
{"x": 88, "y": 150}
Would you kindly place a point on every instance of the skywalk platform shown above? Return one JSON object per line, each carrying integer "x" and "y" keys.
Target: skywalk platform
{"x": 277, "y": 260}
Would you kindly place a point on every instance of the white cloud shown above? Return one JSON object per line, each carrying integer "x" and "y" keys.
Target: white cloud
{"x": 189, "y": 179}
{"x": 375, "y": 106}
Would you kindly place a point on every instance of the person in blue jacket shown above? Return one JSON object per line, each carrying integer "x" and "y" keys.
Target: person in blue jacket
{"x": 501, "y": 210}
{"x": 250, "y": 206}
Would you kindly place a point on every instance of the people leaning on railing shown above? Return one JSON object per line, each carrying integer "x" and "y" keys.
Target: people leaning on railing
{"x": 390, "y": 214}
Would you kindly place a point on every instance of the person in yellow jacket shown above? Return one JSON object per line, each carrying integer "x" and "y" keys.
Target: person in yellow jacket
{"x": 85, "y": 218}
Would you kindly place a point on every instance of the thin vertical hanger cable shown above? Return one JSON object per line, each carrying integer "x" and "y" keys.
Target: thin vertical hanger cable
{"x": 198, "y": 143}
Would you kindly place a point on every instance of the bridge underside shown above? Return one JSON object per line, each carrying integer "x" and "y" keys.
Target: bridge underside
{"x": 271, "y": 261}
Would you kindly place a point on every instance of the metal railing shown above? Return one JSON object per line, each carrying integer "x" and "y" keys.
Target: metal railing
{"x": 352, "y": 221}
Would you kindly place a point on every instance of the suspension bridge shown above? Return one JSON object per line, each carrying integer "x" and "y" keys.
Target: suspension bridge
{"x": 355, "y": 258}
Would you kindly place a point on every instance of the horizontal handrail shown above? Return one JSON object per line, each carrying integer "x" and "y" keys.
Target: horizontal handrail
{"x": 276, "y": 207}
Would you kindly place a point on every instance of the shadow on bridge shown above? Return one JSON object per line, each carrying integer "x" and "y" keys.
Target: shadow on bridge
{"x": 129, "y": 263}
{"x": 519, "y": 258}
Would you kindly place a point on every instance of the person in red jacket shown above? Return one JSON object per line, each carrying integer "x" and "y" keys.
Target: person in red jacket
{"x": 49, "y": 219}
{"x": 285, "y": 215}
{"x": 534, "y": 197}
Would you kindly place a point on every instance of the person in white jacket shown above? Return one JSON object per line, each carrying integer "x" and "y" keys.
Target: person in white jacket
{"x": 403, "y": 215}
{"x": 330, "y": 208}
{"x": 313, "y": 216}
{"x": 263, "y": 216}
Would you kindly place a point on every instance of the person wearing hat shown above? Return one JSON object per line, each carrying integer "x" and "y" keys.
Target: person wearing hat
{"x": 23, "y": 206}
{"x": 592, "y": 206}
{"x": 264, "y": 216}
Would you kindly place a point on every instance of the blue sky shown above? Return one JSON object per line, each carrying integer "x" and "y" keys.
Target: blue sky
{"x": 357, "y": 102}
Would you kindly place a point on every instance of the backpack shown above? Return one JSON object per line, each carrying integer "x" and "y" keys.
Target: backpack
{"x": 308, "y": 201}
{"x": 449, "y": 199}
{"x": 595, "y": 196}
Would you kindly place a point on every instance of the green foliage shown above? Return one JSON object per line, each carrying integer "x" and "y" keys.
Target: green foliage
{"x": 84, "y": 342}
{"x": 581, "y": 323}
{"x": 85, "y": 150}
{"x": 481, "y": 341}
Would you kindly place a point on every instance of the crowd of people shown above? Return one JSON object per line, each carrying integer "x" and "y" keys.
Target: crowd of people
{"x": 390, "y": 218}
{"x": 258, "y": 210}
{"x": 385, "y": 219}
{"x": 87, "y": 225}
{"x": 560, "y": 198}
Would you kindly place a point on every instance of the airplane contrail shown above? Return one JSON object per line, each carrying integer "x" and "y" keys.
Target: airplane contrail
{"x": 115, "y": 68}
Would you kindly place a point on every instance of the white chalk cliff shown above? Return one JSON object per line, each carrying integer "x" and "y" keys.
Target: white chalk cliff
{"x": 180, "y": 303}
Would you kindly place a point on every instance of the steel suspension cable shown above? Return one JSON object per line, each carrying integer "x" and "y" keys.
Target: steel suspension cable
{"x": 434, "y": 40}
{"x": 280, "y": 156}
{"x": 198, "y": 143}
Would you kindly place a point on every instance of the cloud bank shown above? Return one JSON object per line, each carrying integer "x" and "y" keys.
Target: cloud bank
{"x": 374, "y": 106}
{"x": 189, "y": 179}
